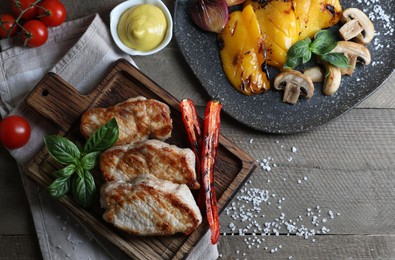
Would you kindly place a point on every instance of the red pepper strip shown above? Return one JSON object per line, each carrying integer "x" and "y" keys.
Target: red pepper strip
{"x": 192, "y": 127}
{"x": 209, "y": 152}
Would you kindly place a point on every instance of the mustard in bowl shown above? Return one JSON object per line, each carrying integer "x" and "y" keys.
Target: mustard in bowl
{"x": 141, "y": 27}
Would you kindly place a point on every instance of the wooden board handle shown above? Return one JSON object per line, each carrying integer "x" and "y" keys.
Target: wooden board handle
{"x": 56, "y": 100}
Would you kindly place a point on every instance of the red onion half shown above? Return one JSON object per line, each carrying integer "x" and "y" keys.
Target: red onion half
{"x": 210, "y": 15}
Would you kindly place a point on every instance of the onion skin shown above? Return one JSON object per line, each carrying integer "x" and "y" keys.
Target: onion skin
{"x": 210, "y": 15}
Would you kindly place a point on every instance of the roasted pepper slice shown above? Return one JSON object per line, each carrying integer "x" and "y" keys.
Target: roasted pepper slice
{"x": 209, "y": 153}
{"x": 195, "y": 135}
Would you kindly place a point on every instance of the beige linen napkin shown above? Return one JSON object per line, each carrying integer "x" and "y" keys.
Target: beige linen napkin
{"x": 80, "y": 51}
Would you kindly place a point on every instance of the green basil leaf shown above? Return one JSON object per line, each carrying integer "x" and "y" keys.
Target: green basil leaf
{"x": 66, "y": 171}
{"x": 83, "y": 188}
{"x": 103, "y": 138}
{"x": 323, "y": 43}
{"x": 306, "y": 57}
{"x": 88, "y": 162}
{"x": 59, "y": 187}
{"x": 62, "y": 149}
{"x": 336, "y": 59}
{"x": 291, "y": 63}
{"x": 299, "y": 49}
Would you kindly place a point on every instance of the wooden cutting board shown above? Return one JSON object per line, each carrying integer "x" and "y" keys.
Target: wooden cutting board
{"x": 61, "y": 104}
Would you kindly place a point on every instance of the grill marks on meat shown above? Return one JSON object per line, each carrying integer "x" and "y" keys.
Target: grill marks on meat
{"x": 149, "y": 206}
{"x": 164, "y": 161}
{"x": 146, "y": 190}
{"x": 138, "y": 119}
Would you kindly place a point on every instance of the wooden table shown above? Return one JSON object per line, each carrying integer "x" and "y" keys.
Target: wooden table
{"x": 346, "y": 166}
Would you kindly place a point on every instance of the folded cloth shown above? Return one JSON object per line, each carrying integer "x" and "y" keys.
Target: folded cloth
{"x": 80, "y": 51}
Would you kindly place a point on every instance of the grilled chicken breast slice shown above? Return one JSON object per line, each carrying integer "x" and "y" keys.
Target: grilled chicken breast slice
{"x": 138, "y": 119}
{"x": 149, "y": 206}
{"x": 164, "y": 161}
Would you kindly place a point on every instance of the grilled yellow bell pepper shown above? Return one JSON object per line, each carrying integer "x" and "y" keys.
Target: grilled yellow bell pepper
{"x": 242, "y": 52}
{"x": 283, "y": 23}
{"x": 320, "y": 15}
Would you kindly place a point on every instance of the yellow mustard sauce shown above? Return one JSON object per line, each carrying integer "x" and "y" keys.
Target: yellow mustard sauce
{"x": 142, "y": 27}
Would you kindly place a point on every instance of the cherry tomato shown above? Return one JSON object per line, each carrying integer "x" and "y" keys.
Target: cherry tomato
{"x": 6, "y": 22}
{"x": 51, "y": 13}
{"x": 34, "y": 33}
{"x": 18, "y": 6}
{"x": 14, "y": 132}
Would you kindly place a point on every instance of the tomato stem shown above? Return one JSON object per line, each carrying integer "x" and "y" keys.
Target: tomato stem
{"x": 18, "y": 4}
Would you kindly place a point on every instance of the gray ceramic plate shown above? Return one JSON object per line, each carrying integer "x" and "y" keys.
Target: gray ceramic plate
{"x": 266, "y": 112}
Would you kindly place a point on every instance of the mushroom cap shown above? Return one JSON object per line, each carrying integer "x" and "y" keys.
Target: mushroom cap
{"x": 332, "y": 80}
{"x": 354, "y": 48}
{"x": 357, "y": 25}
{"x": 295, "y": 84}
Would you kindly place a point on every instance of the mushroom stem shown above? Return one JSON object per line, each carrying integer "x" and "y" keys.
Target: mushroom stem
{"x": 291, "y": 93}
{"x": 350, "y": 30}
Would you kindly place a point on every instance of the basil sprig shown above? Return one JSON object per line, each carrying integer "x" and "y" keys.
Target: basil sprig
{"x": 76, "y": 176}
{"x": 322, "y": 45}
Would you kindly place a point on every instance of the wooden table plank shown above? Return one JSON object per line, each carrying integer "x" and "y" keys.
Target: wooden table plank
{"x": 349, "y": 165}
{"x": 324, "y": 247}
{"x": 19, "y": 247}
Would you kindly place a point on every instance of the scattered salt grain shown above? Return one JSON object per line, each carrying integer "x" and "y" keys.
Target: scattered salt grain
{"x": 248, "y": 221}
{"x": 251, "y": 140}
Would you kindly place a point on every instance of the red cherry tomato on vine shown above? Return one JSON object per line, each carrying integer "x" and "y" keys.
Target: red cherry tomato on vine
{"x": 51, "y": 13}
{"x": 18, "y": 6}
{"x": 34, "y": 33}
{"x": 6, "y": 23}
{"x": 14, "y": 132}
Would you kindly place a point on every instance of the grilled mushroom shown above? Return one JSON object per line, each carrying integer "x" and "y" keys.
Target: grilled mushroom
{"x": 315, "y": 74}
{"x": 352, "y": 51}
{"x": 332, "y": 79}
{"x": 357, "y": 25}
{"x": 294, "y": 84}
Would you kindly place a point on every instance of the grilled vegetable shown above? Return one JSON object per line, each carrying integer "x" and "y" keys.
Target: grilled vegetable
{"x": 209, "y": 152}
{"x": 283, "y": 23}
{"x": 314, "y": 15}
{"x": 210, "y": 15}
{"x": 192, "y": 127}
{"x": 242, "y": 52}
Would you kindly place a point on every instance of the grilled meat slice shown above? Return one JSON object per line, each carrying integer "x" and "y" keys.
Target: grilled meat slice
{"x": 164, "y": 161}
{"x": 149, "y": 206}
{"x": 138, "y": 119}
